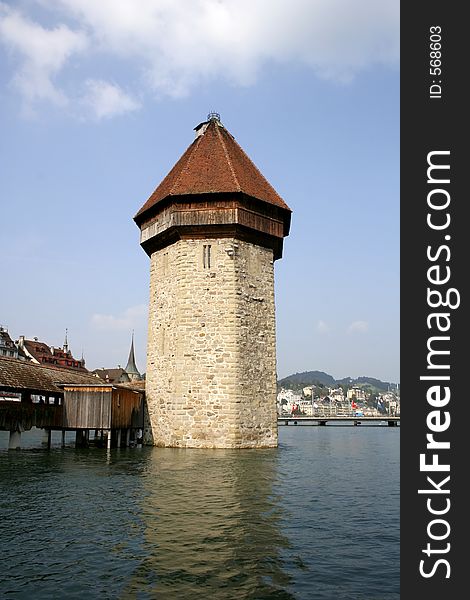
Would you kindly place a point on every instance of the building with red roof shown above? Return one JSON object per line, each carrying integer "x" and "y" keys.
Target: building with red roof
{"x": 41, "y": 353}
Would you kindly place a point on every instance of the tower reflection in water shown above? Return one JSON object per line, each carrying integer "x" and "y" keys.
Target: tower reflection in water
{"x": 212, "y": 527}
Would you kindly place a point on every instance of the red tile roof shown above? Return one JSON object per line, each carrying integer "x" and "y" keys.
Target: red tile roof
{"x": 54, "y": 356}
{"x": 213, "y": 163}
{"x": 37, "y": 349}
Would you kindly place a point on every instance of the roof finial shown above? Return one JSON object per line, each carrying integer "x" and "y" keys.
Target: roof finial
{"x": 213, "y": 116}
{"x": 66, "y": 345}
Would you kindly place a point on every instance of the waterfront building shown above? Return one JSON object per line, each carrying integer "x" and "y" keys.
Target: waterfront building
{"x": 120, "y": 375}
{"x": 336, "y": 394}
{"x": 212, "y": 229}
{"x": 357, "y": 393}
{"x": 7, "y": 345}
{"x": 307, "y": 391}
{"x": 286, "y": 400}
{"x": 41, "y": 353}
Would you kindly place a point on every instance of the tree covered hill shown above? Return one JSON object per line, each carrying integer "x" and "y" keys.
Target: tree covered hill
{"x": 298, "y": 380}
{"x": 319, "y": 378}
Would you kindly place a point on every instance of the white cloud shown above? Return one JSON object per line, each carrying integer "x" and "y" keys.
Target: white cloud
{"x": 358, "y": 327}
{"x": 131, "y": 318}
{"x": 177, "y": 45}
{"x": 44, "y": 53}
{"x": 104, "y": 100}
{"x": 180, "y": 43}
{"x": 322, "y": 327}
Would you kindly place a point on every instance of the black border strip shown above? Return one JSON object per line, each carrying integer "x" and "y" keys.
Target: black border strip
{"x": 432, "y": 120}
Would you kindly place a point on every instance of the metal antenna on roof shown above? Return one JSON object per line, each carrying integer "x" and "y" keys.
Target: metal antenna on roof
{"x": 213, "y": 116}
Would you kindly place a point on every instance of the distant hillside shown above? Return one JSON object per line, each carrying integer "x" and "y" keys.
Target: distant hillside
{"x": 383, "y": 386}
{"x": 299, "y": 380}
{"x": 307, "y": 378}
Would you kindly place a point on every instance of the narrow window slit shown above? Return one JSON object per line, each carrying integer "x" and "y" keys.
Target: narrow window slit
{"x": 206, "y": 256}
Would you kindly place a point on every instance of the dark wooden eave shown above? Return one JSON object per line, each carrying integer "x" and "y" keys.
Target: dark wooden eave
{"x": 215, "y": 215}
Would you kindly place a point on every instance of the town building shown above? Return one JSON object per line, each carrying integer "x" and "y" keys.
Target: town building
{"x": 286, "y": 401}
{"x": 212, "y": 229}
{"x": 7, "y": 345}
{"x": 42, "y": 354}
{"x": 357, "y": 394}
{"x": 120, "y": 375}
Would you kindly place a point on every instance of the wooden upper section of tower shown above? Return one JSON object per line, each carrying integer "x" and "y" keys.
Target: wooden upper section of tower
{"x": 214, "y": 190}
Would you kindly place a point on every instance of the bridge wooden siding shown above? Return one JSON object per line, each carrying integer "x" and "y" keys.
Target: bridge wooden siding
{"x": 22, "y": 416}
{"x": 87, "y": 408}
{"x": 102, "y": 407}
{"x": 126, "y": 409}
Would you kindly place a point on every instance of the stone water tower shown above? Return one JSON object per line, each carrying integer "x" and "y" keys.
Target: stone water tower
{"x": 213, "y": 229}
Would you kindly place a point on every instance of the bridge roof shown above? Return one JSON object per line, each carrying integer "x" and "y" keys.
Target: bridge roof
{"x": 19, "y": 375}
{"x": 213, "y": 163}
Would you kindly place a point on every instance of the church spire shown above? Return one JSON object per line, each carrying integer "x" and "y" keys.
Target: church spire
{"x": 131, "y": 368}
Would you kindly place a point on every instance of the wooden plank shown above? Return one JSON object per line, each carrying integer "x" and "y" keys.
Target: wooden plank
{"x": 126, "y": 407}
{"x": 87, "y": 409}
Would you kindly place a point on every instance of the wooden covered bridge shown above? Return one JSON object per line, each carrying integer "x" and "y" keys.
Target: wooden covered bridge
{"x": 56, "y": 399}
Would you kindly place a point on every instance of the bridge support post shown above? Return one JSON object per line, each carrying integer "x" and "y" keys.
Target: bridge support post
{"x": 14, "y": 443}
{"x": 81, "y": 438}
{"x": 63, "y": 439}
{"x": 128, "y": 438}
{"x": 46, "y": 438}
{"x": 118, "y": 442}
{"x": 109, "y": 439}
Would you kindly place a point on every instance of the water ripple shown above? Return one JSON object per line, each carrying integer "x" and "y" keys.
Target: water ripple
{"x": 316, "y": 518}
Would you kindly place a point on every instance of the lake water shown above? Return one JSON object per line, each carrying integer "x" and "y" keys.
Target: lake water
{"x": 317, "y": 518}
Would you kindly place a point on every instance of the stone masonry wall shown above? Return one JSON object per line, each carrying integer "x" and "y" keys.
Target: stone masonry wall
{"x": 211, "y": 361}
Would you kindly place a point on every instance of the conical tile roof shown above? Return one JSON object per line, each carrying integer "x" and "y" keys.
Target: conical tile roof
{"x": 213, "y": 163}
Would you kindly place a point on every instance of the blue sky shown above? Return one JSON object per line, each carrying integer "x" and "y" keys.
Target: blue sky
{"x": 98, "y": 101}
